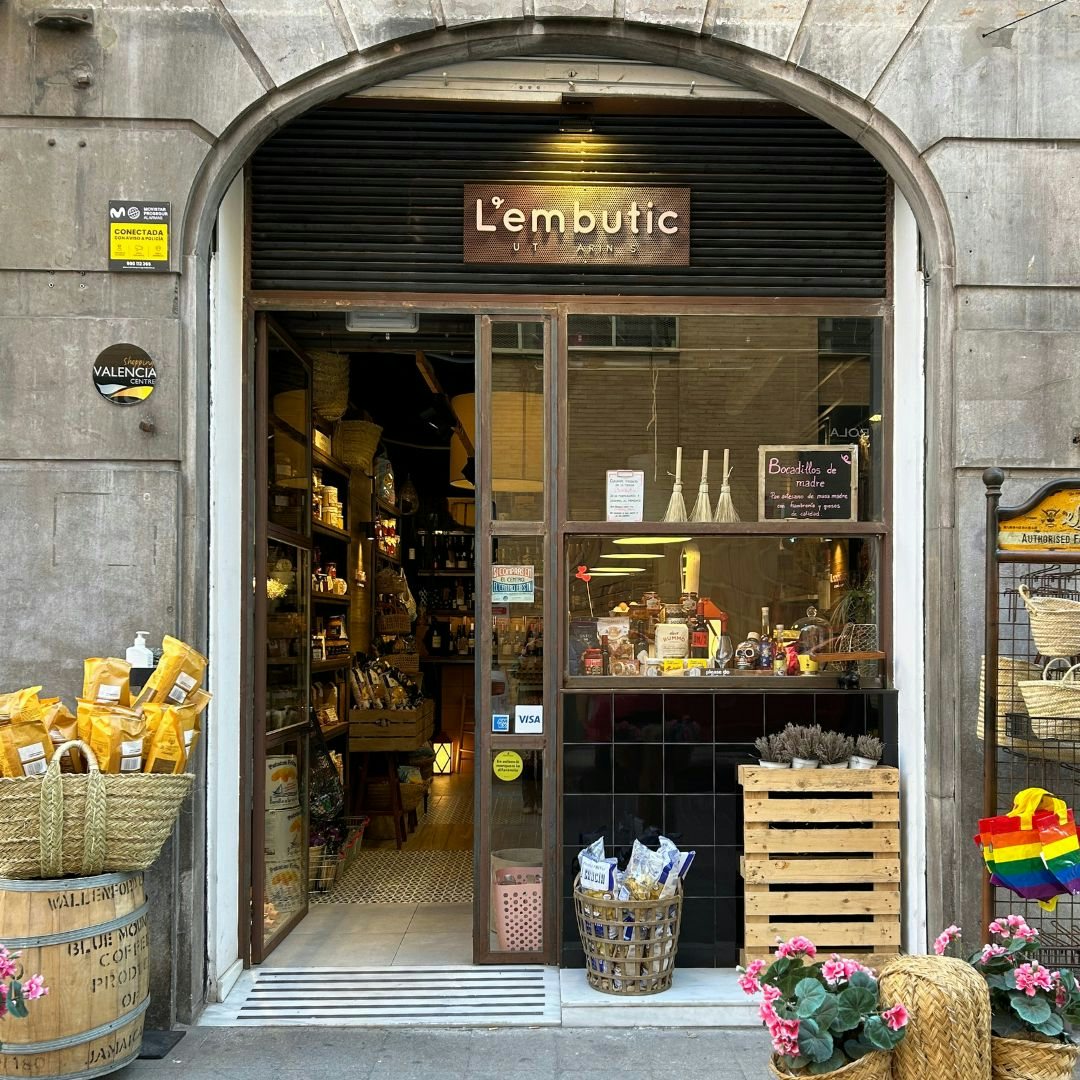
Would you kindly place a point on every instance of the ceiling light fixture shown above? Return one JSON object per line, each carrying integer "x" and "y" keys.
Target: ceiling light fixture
{"x": 636, "y": 554}
{"x": 653, "y": 540}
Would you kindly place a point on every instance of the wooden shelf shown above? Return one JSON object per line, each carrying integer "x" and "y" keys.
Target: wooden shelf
{"x": 387, "y": 508}
{"x": 324, "y": 461}
{"x": 446, "y": 573}
{"x": 335, "y": 730}
{"x": 448, "y": 660}
{"x": 844, "y": 657}
{"x": 450, "y": 613}
{"x": 330, "y": 598}
{"x": 287, "y": 429}
{"x": 331, "y": 665}
{"x": 330, "y": 531}
{"x": 395, "y": 559}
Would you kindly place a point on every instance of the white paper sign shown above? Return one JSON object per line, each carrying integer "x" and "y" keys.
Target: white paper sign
{"x": 528, "y": 719}
{"x": 513, "y": 584}
{"x": 625, "y": 494}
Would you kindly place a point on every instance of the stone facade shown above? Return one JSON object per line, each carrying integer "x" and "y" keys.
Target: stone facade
{"x": 167, "y": 100}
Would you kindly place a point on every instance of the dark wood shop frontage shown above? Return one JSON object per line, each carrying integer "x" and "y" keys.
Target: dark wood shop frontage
{"x": 549, "y": 324}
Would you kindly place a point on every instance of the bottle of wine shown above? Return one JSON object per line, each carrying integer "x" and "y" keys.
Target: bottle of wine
{"x": 699, "y": 633}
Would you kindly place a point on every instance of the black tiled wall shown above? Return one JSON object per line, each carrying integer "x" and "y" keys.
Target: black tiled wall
{"x": 640, "y": 763}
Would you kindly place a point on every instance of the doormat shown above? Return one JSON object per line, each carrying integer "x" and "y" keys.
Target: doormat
{"x": 404, "y": 877}
{"x": 449, "y": 810}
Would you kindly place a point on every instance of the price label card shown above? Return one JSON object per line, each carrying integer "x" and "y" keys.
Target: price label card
{"x": 625, "y": 494}
{"x": 528, "y": 719}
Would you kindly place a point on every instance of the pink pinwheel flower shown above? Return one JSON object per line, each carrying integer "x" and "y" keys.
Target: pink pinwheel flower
{"x": 999, "y": 928}
{"x": 896, "y": 1017}
{"x": 8, "y": 968}
{"x": 1026, "y": 933}
{"x": 944, "y": 939}
{"x": 990, "y": 952}
{"x": 1061, "y": 994}
{"x": 35, "y": 987}
{"x": 749, "y": 985}
{"x": 768, "y": 1014}
{"x": 797, "y": 946}
{"x": 834, "y": 970}
{"x": 1015, "y": 921}
{"x": 1031, "y": 978}
{"x": 785, "y": 1038}
{"x": 771, "y": 993}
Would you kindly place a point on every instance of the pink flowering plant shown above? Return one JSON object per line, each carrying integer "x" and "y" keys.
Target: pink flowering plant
{"x": 1028, "y": 1000}
{"x": 15, "y": 991}
{"x": 821, "y": 1014}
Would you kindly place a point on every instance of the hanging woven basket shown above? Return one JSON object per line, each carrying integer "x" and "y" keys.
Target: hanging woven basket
{"x": 329, "y": 383}
{"x": 875, "y": 1066}
{"x": 1022, "y": 1059}
{"x": 1049, "y": 703}
{"x": 356, "y": 442}
{"x": 1055, "y": 623}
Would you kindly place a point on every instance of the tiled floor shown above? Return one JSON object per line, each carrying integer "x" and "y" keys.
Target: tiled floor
{"x": 378, "y": 935}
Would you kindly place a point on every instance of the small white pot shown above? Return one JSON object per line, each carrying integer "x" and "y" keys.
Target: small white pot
{"x": 857, "y": 762}
{"x": 773, "y": 764}
{"x": 804, "y": 763}
{"x": 836, "y": 765}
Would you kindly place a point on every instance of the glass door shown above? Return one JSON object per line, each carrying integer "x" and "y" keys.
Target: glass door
{"x": 516, "y": 918}
{"x": 282, "y": 639}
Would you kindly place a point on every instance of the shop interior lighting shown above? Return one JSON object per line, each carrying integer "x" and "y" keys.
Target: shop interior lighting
{"x": 444, "y": 757}
{"x": 636, "y": 554}
{"x": 876, "y": 418}
{"x": 380, "y": 322}
{"x": 653, "y": 540}
{"x": 616, "y": 569}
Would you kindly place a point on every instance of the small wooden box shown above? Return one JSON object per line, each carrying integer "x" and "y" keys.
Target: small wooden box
{"x": 377, "y": 730}
{"x": 837, "y": 830}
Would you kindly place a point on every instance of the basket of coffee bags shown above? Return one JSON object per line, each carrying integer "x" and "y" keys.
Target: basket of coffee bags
{"x": 98, "y": 791}
{"x": 629, "y": 919}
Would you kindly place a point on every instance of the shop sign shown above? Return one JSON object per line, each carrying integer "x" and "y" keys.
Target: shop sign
{"x": 808, "y": 483}
{"x": 572, "y": 224}
{"x": 625, "y": 494}
{"x": 507, "y": 765}
{"x": 528, "y": 719}
{"x": 138, "y": 235}
{"x": 125, "y": 374}
{"x": 1052, "y": 525}
{"x": 513, "y": 584}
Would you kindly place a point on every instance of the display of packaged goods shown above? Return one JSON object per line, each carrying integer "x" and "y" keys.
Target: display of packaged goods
{"x": 282, "y": 782}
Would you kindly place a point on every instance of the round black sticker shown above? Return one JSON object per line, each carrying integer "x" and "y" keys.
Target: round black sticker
{"x": 125, "y": 374}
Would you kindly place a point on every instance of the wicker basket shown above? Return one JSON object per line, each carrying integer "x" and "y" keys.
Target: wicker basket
{"x": 85, "y": 823}
{"x": 1013, "y": 728}
{"x": 408, "y": 663}
{"x": 874, "y": 1066}
{"x": 1051, "y": 701}
{"x": 329, "y": 383}
{"x": 393, "y": 624}
{"x": 1055, "y": 623}
{"x": 630, "y": 945}
{"x": 1022, "y": 1059}
{"x": 356, "y": 442}
{"x": 949, "y": 1031}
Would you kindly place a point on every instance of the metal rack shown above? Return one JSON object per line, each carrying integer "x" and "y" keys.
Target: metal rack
{"x": 1023, "y": 750}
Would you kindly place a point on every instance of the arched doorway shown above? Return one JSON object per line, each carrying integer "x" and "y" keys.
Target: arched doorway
{"x": 803, "y": 91}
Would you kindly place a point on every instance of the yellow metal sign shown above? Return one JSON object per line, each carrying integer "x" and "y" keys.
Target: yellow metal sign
{"x": 507, "y": 765}
{"x": 1052, "y": 525}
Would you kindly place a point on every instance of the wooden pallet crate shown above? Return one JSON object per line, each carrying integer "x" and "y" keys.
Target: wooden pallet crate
{"x": 380, "y": 730}
{"x": 838, "y": 828}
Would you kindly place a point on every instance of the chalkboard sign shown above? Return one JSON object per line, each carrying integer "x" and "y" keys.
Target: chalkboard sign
{"x": 808, "y": 483}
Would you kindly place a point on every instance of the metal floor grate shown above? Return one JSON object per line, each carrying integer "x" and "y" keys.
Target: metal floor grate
{"x": 383, "y": 997}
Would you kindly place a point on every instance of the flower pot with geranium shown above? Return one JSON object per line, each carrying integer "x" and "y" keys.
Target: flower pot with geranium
{"x": 1033, "y": 1007}
{"x": 824, "y": 1017}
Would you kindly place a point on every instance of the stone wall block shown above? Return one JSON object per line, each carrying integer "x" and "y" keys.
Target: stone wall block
{"x": 90, "y": 550}
{"x": 54, "y": 213}
{"x": 686, "y": 15}
{"x": 50, "y": 407}
{"x": 574, "y": 9}
{"x": 850, "y": 44}
{"x": 1015, "y": 211}
{"x": 95, "y": 294}
{"x": 376, "y": 23}
{"x": 768, "y": 26}
{"x": 289, "y": 39}
{"x": 1018, "y": 399}
{"x": 468, "y": 12}
{"x": 1020, "y": 82}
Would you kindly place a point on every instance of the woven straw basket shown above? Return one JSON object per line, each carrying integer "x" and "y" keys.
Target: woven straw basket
{"x": 329, "y": 383}
{"x": 1055, "y": 623}
{"x": 1050, "y": 701}
{"x": 948, "y": 1035}
{"x": 1010, "y": 699}
{"x": 1022, "y": 1059}
{"x": 356, "y": 442}
{"x": 85, "y": 823}
{"x": 875, "y": 1066}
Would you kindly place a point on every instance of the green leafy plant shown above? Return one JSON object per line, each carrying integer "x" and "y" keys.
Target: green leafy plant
{"x": 856, "y": 604}
{"x": 821, "y": 1015}
{"x": 1027, "y": 999}
{"x": 773, "y": 748}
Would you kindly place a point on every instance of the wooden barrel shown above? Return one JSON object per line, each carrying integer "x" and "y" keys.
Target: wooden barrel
{"x": 88, "y": 938}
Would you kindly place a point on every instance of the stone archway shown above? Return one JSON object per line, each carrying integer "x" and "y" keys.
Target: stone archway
{"x": 676, "y": 48}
